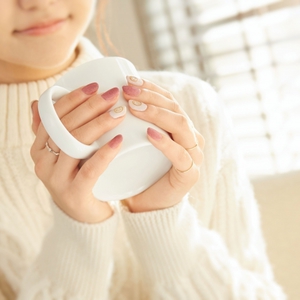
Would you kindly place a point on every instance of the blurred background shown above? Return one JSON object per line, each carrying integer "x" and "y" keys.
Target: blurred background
{"x": 249, "y": 50}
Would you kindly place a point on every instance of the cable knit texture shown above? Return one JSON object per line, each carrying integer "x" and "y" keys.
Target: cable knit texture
{"x": 209, "y": 246}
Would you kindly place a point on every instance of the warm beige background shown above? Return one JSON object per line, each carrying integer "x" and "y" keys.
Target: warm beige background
{"x": 278, "y": 196}
{"x": 125, "y": 32}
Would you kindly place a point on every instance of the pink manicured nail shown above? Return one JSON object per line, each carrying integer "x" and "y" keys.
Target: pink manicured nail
{"x": 110, "y": 94}
{"x": 131, "y": 90}
{"x": 116, "y": 141}
{"x": 154, "y": 134}
{"x": 90, "y": 88}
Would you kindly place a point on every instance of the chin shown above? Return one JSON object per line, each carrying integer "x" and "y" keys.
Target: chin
{"x": 51, "y": 52}
{"x": 54, "y": 60}
{"x": 56, "y": 63}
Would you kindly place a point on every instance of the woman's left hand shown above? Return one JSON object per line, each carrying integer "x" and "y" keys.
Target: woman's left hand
{"x": 183, "y": 146}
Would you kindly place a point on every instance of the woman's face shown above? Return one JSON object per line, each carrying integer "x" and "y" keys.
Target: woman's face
{"x": 41, "y": 34}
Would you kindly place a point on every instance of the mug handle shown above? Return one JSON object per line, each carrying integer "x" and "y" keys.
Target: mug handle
{"x": 55, "y": 128}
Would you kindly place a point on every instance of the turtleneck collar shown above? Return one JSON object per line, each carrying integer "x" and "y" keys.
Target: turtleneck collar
{"x": 15, "y": 100}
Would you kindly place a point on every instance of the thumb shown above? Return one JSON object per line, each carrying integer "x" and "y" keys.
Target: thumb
{"x": 36, "y": 120}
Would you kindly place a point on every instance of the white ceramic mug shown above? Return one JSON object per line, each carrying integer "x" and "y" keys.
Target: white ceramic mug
{"x": 139, "y": 164}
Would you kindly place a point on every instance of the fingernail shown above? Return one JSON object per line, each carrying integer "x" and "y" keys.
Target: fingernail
{"x": 90, "y": 88}
{"x": 110, "y": 94}
{"x": 154, "y": 134}
{"x": 135, "y": 80}
{"x": 118, "y": 112}
{"x": 116, "y": 141}
{"x": 137, "y": 105}
{"x": 131, "y": 90}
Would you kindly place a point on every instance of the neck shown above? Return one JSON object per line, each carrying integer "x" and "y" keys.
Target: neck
{"x": 13, "y": 73}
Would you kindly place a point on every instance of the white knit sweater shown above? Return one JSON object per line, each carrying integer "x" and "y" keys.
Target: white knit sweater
{"x": 208, "y": 247}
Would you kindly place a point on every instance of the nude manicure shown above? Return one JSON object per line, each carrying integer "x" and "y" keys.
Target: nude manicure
{"x": 118, "y": 112}
{"x": 137, "y": 105}
{"x": 135, "y": 80}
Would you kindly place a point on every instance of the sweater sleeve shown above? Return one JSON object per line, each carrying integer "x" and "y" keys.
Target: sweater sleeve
{"x": 181, "y": 259}
{"x": 75, "y": 261}
{"x": 209, "y": 246}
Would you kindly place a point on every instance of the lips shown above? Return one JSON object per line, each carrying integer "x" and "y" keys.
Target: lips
{"x": 42, "y": 28}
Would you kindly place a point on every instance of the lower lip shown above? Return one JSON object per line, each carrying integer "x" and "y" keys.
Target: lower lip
{"x": 35, "y": 31}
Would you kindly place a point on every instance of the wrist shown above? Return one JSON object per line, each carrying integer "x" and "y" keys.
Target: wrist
{"x": 94, "y": 212}
{"x": 134, "y": 205}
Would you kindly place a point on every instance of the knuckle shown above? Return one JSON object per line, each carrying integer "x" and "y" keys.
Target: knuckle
{"x": 201, "y": 139}
{"x": 153, "y": 112}
{"x": 169, "y": 95}
{"x": 92, "y": 105}
{"x": 103, "y": 121}
{"x": 39, "y": 168}
{"x": 182, "y": 156}
{"x": 67, "y": 99}
{"x": 88, "y": 170}
{"x": 52, "y": 181}
{"x": 176, "y": 106}
{"x": 68, "y": 121}
{"x": 78, "y": 135}
{"x": 33, "y": 152}
{"x": 198, "y": 158}
{"x": 150, "y": 95}
{"x": 74, "y": 95}
{"x": 183, "y": 121}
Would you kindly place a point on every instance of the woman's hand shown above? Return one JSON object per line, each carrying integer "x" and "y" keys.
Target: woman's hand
{"x": 183, "y": 146}
{"x": 86, "y": 115}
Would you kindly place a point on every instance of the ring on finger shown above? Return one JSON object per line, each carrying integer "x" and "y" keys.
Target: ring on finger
{"x": 50, "y": 149}
{"x": 195, "y": 146}
{"x": 184, "y": 171}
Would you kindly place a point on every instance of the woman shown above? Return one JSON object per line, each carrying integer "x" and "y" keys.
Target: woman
{"x": 194, "y": 234}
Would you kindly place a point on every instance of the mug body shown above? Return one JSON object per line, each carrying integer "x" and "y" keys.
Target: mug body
{"x": 139, "y": 164}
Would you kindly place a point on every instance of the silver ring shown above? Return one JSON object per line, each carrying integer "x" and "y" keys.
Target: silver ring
{"x": 184, "y": 171}
{"x": 195, "y": 146}
{"x": 50, "y": 149}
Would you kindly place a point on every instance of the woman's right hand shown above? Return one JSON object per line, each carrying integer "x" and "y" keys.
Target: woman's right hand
{"x": 87, "y": 116}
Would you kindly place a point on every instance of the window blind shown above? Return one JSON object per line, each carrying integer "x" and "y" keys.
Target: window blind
{"x": 250, "y": 52}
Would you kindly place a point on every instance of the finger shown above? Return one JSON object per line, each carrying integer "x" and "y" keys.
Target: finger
{"x": 35, "y": 117}
{"x": 151, "y": 97}
{"x": 64, "y": 105}
{"x": 44, "y": 160}
{"x": 51, "y": 147}
{"x": 72, "y": 120}
{"x": 183, "y": 165}
{"x": 94, "y": 129}
{"x": 90, "y": 109}
{"x": 179, "y": 125}
{"x": 90, "y": 132}
{"x": 200, "y": 139}
{"x": 41, "y": 138}
{"x": 73, "y": 99}
{"x": 145, "y": 84}
{"x": 97, "y": 164}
